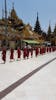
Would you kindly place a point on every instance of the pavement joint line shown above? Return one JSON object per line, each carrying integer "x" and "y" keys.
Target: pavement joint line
{"x": 13, "y": 86}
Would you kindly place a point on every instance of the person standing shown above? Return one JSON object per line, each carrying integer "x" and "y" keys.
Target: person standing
{"x": 27, "y": 49}
{"x": 31, "y": 50}
{"x": 36, "y": 51}
{"x": 47, "y": 49}
{"x": 11, "y": 54}
{"x": 18, "y": 53}
{"x": 24, "y": 53}
{"x": 4, "y": 55}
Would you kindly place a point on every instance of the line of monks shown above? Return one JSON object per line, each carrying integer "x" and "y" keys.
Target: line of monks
{"x": 26, "y": 52}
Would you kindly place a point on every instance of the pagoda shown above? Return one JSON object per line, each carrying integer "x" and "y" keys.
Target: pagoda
{"x": 16, "y": 30}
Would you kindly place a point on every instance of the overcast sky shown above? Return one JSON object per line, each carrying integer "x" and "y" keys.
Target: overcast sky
{"x": 27, "y": 11}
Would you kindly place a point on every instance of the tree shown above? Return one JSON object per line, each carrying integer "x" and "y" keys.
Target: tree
{"x": 54, "y": 32}
{"x": 49, "y": 30}
{"x": 49, "y": 33}
{"x": 37, "y": 27}
{"x": 54, "y": 36}
{"x": 44, "y": 35}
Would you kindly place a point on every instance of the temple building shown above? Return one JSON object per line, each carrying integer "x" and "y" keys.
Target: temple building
{"x": 17, "y": 31}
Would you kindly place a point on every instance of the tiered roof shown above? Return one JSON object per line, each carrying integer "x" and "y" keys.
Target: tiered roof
{"x": 16, "y": 28}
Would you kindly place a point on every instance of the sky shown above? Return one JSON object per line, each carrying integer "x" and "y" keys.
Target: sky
{"x": 27, "y": 11}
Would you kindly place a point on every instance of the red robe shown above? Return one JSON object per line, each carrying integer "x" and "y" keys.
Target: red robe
{"x": 4, "y": 55}
{"x": 47, "y": 49}
{"x": 19, "y": 52}
{"x": 31, "y": 50}
{"x": 27, "y": 53}
{"x": 36, "y": 51}
{"x": 24, "y": 53}
{"x": 41, "y": 50}
{"x": 11, "y": 54}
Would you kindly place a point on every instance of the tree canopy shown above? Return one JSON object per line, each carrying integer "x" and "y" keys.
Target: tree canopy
{"x": 37, "y": 27}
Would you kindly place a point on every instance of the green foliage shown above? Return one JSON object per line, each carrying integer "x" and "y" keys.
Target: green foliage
{"x": 44, "y": 35}
{"x": 49, "y": 33}
{"x": 49, "y": 30}
{"x": 37, "y": 27}
{"x": 54, "y": 32}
